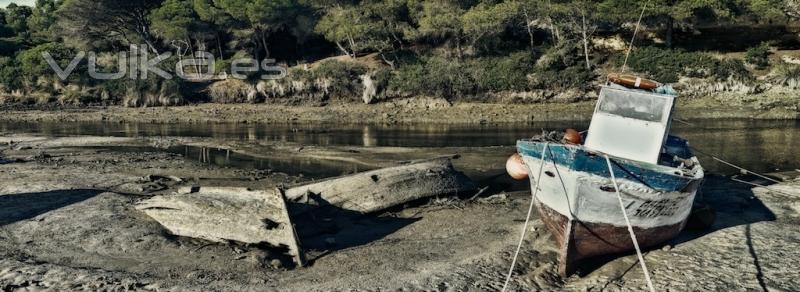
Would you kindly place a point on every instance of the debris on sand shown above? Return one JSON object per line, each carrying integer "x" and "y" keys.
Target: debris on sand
{"x": 380, "y": 189}
{"x": 227, "y": 214}
{"x": 149, "y": 185}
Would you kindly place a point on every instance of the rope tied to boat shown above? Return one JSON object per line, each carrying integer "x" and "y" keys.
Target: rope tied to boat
{"x": 633, "y": 39}
{"x": 527, "y": 218}
{"x": 630, "y": 227}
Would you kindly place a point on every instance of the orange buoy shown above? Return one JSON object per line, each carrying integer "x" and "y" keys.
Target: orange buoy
{"x": 632, "y": 81}
{"x": 571, "y": 136}
{"x": 516, "y": 167}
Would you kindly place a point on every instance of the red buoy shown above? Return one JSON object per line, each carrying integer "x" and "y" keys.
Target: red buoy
{"x": 572, "y": 136}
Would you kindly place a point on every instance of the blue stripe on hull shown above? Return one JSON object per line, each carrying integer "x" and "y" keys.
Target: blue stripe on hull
{"x": 577, "y": 158}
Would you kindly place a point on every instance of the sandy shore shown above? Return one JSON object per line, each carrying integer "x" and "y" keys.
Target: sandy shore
{"x": 412, "y": 110}
{"x": 67, "y": 222}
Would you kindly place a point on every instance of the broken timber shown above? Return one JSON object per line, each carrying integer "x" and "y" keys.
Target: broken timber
{"x": 383, "y": 188}
{"x": 227, "y": 214}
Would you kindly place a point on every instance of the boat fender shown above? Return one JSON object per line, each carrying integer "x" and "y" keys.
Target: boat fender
{"x": 572, "y": 136}
{"x": 516, "y": 167}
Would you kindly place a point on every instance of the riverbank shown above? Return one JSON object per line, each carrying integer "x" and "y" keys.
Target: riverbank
{"x": 67, "y": 221}
{"x": 410, "y": 110}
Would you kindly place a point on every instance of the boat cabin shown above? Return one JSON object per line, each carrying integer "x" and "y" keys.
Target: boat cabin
{"x": 630, "y": 123}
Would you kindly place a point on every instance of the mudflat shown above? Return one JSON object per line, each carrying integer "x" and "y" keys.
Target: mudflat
{"x": 67, "y": 222}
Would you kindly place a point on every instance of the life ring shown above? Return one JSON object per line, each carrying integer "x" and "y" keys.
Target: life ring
{"x": 632, "y": 81}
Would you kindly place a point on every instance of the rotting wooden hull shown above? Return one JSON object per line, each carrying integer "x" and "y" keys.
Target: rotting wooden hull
{"x": 579, "y": 206}
{"x": 580, "y": 240}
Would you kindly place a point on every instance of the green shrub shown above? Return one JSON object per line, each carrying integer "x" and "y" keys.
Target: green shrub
{"x": 222, "y": 66}
{"x": 501, "y": 73}
{"x": 665, "y": 65}
{"x": 447, "y": 77}
{"x": 787, "y": 75}
{"x": 732, "y": 68}
{"x": 10, "y": 73}
{"x": 571, "y": 77}
{"x": 8, "y": 47}
{"x": 758, "y": 56}
{"x": 33, "y": 65}
{"x": 409, "y": 78}
{"x": 788, "y": 71}
{"x": 116, "y": 87}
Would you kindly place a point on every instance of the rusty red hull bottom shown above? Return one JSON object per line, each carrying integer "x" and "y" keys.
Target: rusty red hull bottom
{"x": 580, "y": 240}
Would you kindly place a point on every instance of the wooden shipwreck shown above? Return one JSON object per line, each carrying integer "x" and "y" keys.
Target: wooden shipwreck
{"x": 251, "y": 216}
{"x": 377, "y": 190}
{"x": 227, "y": 214}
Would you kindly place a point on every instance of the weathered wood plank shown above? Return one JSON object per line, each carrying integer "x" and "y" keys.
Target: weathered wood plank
{"x": 383, "y": 188}
{"x": 227, "y": 214}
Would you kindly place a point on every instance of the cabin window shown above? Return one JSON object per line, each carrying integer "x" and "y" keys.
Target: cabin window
{"x": 633, "y": 104}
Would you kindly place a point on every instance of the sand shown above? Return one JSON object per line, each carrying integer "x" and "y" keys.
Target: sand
{"x": 67, "y": 222}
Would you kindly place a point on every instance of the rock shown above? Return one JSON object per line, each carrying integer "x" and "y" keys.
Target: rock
{"x": 276, "y": 264}
{"x": 494, "y": 198}
{"x": 370, "y": 89}
{"x": 790, "y": 60}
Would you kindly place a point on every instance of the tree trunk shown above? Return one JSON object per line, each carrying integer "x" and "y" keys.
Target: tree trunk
{"x": 528, "y": 27}
{"x": 264, "y": 43}
{"x": 459, "y": 53}
{"x": 670, "y": 29}
{"x": 387, "y": 61}
{"x": 143, "y": 29}
{"x": 352, "y": 46}
{"x": 553, "y": 27}
{"x": 219, "y": 47}
{"x": 342, "y": 48}
{"x": 191, "y": 50}
{"x": 584, "y": 33}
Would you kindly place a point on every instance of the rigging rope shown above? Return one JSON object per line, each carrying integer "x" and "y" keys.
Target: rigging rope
{"x": 741, "y": 169}
{"x": 630, "y": 228}
{"x": 635, "y": 31}
{"x": 527, "y": 219}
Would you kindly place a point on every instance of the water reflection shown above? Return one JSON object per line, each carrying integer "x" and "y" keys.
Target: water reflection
{"x": 308, "y": 167}
{"x": 760, "y": 145}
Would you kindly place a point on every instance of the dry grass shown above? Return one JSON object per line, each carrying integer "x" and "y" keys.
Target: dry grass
{"x": 232, "y": 91}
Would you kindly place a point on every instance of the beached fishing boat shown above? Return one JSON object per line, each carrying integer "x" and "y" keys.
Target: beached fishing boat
{"x": 654, "y": 180}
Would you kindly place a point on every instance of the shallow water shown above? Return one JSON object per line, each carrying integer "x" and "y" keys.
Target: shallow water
{"x": 762, "y": 146}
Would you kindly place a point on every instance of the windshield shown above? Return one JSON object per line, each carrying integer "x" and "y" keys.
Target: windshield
{"x": 633, "y": 104}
